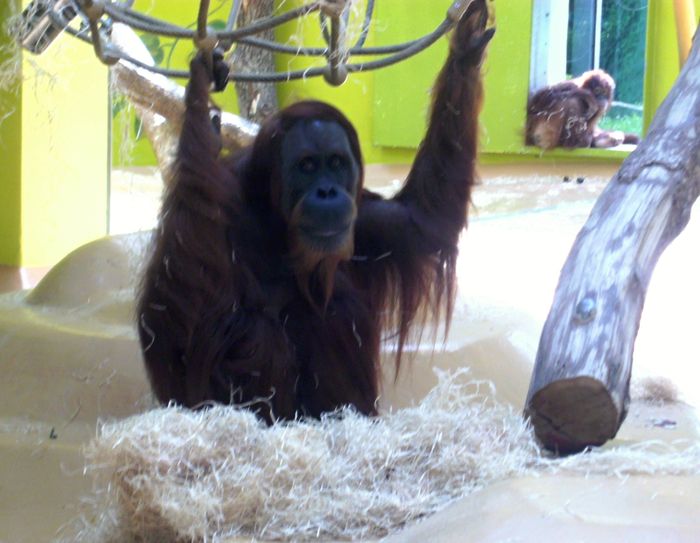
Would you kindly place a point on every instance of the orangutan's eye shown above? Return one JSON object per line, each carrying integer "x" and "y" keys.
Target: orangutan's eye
{"x": 307, "y": 165}
{"x": 336, "y": 162}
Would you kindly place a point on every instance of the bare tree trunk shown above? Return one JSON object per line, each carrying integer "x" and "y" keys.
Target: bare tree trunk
{"x": 256, "y": 101}
{"x": 579, "y": 392}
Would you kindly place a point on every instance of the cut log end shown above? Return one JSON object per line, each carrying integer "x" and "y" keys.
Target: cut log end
{"x": 572, "y": 414}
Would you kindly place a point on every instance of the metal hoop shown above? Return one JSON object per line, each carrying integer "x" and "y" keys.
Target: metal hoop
{"x": 98, "y": 15}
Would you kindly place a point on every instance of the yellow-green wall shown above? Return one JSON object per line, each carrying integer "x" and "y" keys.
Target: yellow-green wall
{"x": 55, "y": 154}
{"x": 662, "y": 63}
{"x": 389, "y": 106}
{"x": 64, "y": 172}
{"x": 10, "y": 151}
{"x": 357, "y": 97}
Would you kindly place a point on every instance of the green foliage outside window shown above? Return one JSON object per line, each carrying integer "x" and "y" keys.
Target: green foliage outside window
{"x": 622, "y": 43}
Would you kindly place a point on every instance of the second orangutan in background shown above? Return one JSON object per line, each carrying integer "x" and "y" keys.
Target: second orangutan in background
{"x": 567, "y": 114}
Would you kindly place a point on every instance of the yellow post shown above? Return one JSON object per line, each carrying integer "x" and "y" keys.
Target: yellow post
{"x": 686, "y": 24}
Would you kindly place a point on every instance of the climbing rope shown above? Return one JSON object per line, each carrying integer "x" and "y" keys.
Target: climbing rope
{"x": 43, "y": 20}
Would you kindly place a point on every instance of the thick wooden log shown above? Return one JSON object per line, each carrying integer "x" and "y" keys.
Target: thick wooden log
{"x": 579, "y": 392}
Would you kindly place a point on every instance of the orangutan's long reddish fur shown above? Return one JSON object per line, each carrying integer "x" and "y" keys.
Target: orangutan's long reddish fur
{"x": 225, "y": 315}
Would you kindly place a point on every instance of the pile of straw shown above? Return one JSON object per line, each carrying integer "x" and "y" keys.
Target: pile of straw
{"x": 177, "y": 475}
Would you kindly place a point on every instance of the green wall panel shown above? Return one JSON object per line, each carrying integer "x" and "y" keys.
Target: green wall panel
{"x": 402, "y": 91}
{"x": 389, "y": 106}
{"x": 356, "y": 97}
{"x": 54, "y": 149}
{"x": 10, "y": 150}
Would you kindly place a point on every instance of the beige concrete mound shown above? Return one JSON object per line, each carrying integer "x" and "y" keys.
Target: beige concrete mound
{"x": 69, "y": 358}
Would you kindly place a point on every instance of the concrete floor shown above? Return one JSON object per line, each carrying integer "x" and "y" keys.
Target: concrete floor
{"x": 135, "y": 197}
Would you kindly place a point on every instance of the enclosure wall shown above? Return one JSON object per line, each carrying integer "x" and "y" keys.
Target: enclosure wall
{"x": 55, "y": 153}
{"x": 389, "y": 106}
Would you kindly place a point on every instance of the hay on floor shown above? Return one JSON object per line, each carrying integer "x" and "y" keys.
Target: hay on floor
{"x": 176, "y": 475}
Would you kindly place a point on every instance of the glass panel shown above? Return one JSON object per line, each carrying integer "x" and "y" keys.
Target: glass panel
{"x": 580, "y": 46}
{"x": 622, "y": 43}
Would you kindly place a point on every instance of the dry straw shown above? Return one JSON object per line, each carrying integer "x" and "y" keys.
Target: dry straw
{"x": 177, "y": 475}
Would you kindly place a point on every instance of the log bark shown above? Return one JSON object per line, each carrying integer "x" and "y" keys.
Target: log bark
{"x": 256, "y": 101}
{"x": 579, "y": 391}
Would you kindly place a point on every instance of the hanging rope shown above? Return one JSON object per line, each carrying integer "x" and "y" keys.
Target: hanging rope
{"x": 43, "y": 20}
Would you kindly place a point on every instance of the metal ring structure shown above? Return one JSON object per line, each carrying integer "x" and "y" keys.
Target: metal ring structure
{"x": 98, "y": 15}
